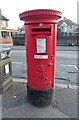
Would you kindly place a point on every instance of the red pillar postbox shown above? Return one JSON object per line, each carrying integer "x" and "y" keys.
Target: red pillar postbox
{"x": 40, "y": 35}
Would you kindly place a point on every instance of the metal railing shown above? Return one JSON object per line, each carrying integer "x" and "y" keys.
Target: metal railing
{"x": 62, "y": 39}
{"x": 68, "y": 39}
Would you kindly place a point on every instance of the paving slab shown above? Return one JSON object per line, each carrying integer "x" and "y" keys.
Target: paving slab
{"x": 15, "y": 105}
{"x": 29, "y": 111}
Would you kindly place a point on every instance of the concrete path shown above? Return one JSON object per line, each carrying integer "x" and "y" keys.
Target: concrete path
{"x": 15, "y": 103}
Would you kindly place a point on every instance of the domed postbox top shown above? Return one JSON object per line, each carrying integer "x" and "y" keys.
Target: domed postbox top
{"x": 40, "y": 14}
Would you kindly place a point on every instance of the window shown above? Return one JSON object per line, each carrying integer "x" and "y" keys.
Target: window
{"x": 13, "y": 34}
{"x": 5, "y": 34}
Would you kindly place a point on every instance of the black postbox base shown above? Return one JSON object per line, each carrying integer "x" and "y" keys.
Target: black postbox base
{"x": 39, "y": 98}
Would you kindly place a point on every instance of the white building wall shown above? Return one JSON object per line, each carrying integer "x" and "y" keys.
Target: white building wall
{"x": 71, "y": 29}
{"x": 68, "y": 29}
{"x": 78, "y": 12}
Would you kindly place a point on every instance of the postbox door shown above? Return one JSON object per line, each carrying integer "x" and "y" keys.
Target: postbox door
{"x": 44, "y": 62}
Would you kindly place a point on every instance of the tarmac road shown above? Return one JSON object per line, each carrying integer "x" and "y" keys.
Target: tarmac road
{"x": 66, "y": 63}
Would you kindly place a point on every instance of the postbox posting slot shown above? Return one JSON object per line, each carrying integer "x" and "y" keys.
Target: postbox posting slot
{"x": 38, "y": 31}
{"x": 41, "y": 30}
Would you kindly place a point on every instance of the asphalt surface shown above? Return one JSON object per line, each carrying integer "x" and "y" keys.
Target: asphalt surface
{"x": 66, "y": 63}
{"x": 14, "y": 100}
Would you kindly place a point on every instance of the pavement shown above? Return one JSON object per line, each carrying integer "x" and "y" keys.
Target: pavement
{"x": 58, "y": 48}
{"x": 15, "y": 104}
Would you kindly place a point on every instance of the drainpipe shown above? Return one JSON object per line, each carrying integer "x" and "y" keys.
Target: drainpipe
{"x": 0, "y": 17}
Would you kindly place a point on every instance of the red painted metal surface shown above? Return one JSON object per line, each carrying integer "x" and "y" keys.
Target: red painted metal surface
{"x": 40, "y": 31}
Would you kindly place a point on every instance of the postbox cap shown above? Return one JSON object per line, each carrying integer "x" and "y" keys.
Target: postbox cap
{"x": 40, "y": 14}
